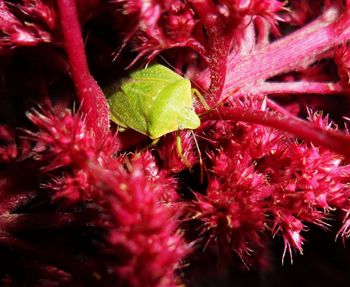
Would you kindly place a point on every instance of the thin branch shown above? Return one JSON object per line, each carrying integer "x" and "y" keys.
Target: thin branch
{"x": 331, "y": 139}
{"x": 91, "y": 97}
{"x": 302, "y": 87}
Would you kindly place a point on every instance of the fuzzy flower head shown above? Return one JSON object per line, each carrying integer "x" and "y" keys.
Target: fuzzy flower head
{"x": 161, "y": 25}
{"x": 231, "y": 212}
{"x": 26, "y": 24}
{"x": 65, "y": 136}
{"x": 145, "y": 232}
{"x": 64, "y": 141}
{"x": 167, "y": 189}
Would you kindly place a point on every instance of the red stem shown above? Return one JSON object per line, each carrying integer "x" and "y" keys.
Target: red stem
{"x": 218, "y": 48}
{"x": 335, "y": 141}
{"x": 301, "y": 87}
{"x": 93, "y": 103}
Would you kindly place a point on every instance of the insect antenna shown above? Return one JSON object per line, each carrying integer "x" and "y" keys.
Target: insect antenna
{"x": 201, "y": 166}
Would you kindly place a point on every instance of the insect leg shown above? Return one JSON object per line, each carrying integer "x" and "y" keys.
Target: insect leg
{"x": 180, "y": 151}
{"x": 201, "y": 98}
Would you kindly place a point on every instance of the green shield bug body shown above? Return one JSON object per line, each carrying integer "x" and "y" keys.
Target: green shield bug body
{"x": 154, "y": 101}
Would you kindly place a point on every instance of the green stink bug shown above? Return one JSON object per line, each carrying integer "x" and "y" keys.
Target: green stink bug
{"x": 154, "y": 101}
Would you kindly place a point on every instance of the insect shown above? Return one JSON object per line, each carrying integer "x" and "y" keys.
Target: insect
{"x": 154, "y": 101}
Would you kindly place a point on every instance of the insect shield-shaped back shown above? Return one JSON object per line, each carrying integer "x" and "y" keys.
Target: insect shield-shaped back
{"x": 154, "y": 101}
